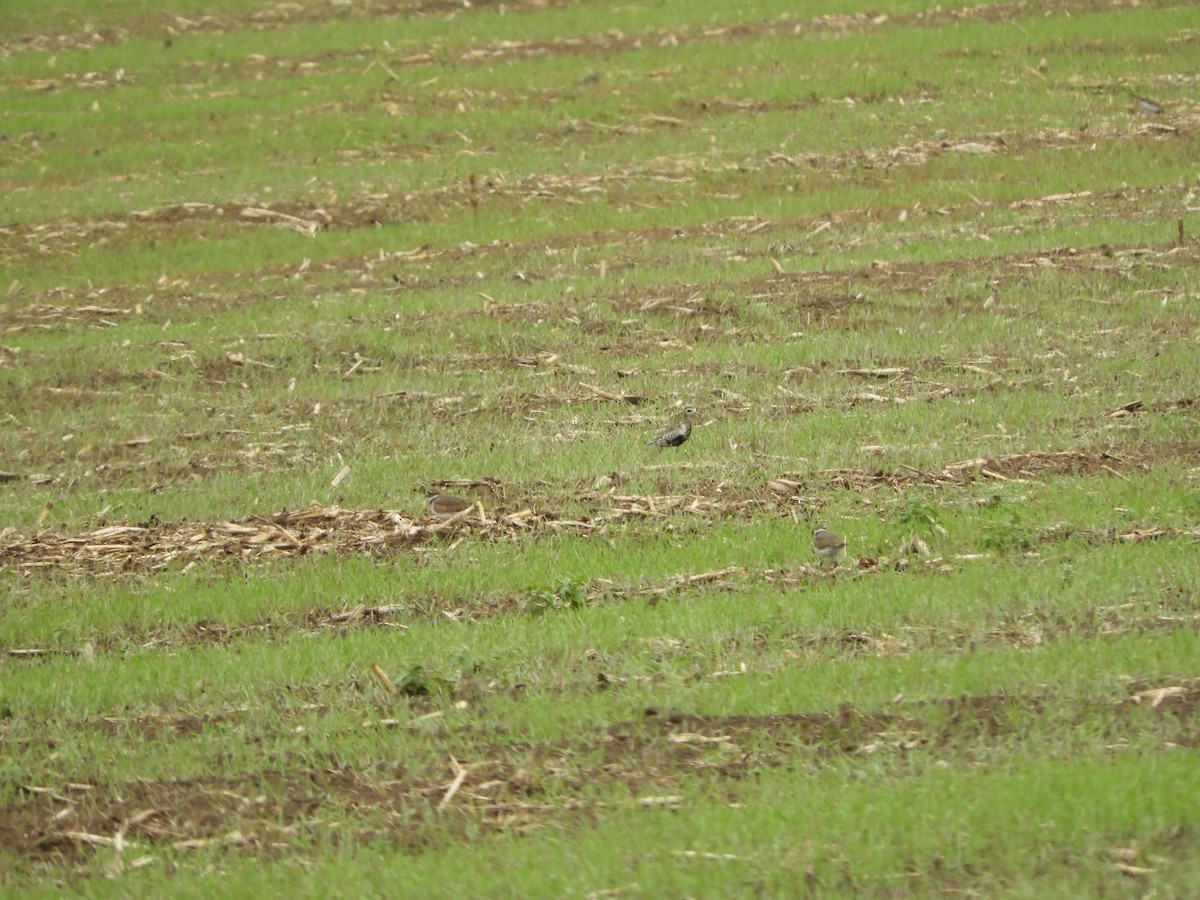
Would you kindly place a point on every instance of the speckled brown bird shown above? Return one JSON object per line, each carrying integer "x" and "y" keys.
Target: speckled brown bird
{"x": 677, "y": 433}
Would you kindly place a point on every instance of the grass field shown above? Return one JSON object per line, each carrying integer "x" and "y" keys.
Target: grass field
{"x": 273, "y": 270}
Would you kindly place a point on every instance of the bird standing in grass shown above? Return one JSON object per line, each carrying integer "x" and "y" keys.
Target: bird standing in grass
{"x": 443, "y": 507}
{"x": 827, "y": 544}
{"x": 1148, "y": 106}
{"x": 677, "y": 433}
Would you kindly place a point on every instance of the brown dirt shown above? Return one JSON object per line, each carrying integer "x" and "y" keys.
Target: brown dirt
{"x": 285, "y": 15}
{"x": 375, "y": 209}
{"x": 522, "y": 788}
{"x": 1172, "y": 609}
{"x": 809, "y": 294}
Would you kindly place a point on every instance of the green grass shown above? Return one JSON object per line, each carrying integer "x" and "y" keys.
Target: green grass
{"x": 745, "y": 209}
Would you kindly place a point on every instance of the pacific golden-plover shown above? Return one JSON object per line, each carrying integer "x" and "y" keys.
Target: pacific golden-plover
{"x": 677, "y": 433}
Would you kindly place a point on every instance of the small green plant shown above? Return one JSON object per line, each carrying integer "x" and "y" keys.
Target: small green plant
{"x": 567, "y": 593}
{"x": 1007, "y": 534}
{"x": 416, "y": 682}
{"x": 918, "y": 514}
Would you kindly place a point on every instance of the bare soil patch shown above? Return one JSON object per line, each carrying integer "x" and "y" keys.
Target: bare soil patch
{"x": 813, "y": 295}
{"x": 283, "y": 15}
{"x": 527, "y": 787}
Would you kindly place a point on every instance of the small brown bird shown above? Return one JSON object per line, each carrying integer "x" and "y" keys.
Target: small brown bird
{"x": 827, "y": 544}
{"x": 677, "y": 433}
{"x": 443, "y": 507}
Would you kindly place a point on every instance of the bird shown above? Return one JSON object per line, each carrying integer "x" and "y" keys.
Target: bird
{"x": 1145, "y": 104}
{"x": 827, "y": 544}
{"x": 443, "y": 507}
{"x": 677, "y": 433}
{"x": 1151, "y": 107}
